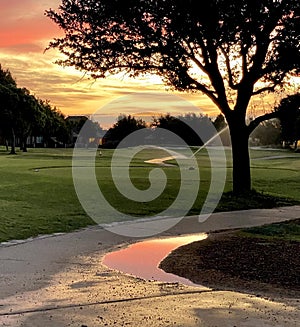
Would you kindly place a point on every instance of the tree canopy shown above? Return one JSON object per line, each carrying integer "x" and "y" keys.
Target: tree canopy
{"x": 22, "y": 114}
{"x": 6, "y": 78}
{"x": 288, "y": 112}
{"x": 124, "y": 126}
{"x": 185, "y": 126}
{"x": 232, "y": 43}
{"x": 231, "y": 50}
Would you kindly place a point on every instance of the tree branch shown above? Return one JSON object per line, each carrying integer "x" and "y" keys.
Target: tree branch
{"x": 244, "y": 60}
{"x": 254, "y": 123}
{"x": 209, "y": 69}
{"x": 199, "y": 64}
{"x": 229, "y": 71}
{"x": 263, "y": 41}
{"x": 264, "y": 89}
{"x": 209, "y": 93}
{"x": 216, "y": 79}
{"x": 204, "y": 51}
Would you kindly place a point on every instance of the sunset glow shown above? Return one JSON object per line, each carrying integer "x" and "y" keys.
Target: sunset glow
{"x": 25, "y": 32}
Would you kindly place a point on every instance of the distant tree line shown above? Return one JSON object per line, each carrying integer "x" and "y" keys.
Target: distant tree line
{"x": 26, "y": 120}
{"x": 281, "y": 131}
{"x": 186, "y": 127}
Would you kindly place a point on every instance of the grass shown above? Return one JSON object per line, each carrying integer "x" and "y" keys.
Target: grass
{"x": 37, "y": 195}
{"x": 288, "y": 231}
{"x": 254, "y": 200}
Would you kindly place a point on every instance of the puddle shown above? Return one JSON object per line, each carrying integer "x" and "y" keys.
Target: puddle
{"x": 142, "y": 259}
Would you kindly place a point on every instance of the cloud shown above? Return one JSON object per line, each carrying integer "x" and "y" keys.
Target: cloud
{"x": 24, "y": 22}
{"x": 73, "y": 93}
{"x": 25, "y": 32}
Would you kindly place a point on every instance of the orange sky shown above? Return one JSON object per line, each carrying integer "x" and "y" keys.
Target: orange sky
{"x": 25, "y": 32}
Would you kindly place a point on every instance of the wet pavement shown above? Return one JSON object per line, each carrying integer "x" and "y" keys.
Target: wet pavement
{"x": 60, "y": 281}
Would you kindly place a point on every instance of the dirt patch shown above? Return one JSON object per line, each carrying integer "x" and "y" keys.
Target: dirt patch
{"x": 228, "y": 260}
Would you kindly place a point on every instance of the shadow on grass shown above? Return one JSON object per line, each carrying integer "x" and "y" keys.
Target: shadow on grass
{"x": 253, "y": 200}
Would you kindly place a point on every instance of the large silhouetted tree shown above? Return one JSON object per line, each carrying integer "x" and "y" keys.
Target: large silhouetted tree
{"x": 231, "y": 50}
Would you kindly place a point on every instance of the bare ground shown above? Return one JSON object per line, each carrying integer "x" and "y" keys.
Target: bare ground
{"x": 227, "y": 260}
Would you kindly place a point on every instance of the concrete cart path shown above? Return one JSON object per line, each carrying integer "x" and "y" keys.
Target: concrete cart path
{"x": 59, "y": 280}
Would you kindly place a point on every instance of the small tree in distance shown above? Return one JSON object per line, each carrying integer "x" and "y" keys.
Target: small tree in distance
{"x": 268, "y": 133}
{"x": 185, "y": 126}
{"x": 288, "y": 112}
{"x": 124, "y": 126}
{"x": 218, "y": 47}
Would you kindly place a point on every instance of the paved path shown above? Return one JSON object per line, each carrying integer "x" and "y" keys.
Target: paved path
{"x": 59, "y": 281}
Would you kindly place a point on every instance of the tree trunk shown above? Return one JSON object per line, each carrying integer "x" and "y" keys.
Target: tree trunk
{"x": 24, "y": 144}
{"x": 13, "y": 142}
{"x": 24, "y": 147}
{"x": 241, "y": 174}
{"x": 296, "y": 145}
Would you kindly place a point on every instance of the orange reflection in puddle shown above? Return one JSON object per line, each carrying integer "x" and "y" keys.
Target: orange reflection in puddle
{"x": 142, "y": 259}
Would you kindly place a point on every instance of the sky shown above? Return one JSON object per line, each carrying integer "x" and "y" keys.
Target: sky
{"x": 25, "y": 32}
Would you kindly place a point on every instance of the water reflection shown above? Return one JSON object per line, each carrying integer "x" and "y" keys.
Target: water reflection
{"x": 142, "y": 259}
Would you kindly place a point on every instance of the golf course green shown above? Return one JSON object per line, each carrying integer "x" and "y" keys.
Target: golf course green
{"x": 37, "y": 195}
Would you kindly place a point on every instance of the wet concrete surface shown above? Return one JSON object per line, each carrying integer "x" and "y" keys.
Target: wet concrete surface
{"x": 60, "y": 281}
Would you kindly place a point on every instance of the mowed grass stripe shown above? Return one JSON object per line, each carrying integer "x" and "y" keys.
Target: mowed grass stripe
{"x": 37, "y": 195}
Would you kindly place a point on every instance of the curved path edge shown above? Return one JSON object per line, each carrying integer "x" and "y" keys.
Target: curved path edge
{"x": 63, "y": 272}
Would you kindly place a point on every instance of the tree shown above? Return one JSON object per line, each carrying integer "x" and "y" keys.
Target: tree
{"x": 8, "y": 100}
{"x": 28, "y": 116}
{"x": 23, "y": 115}
{"x": 19, "y": 111}
{"x": 19, "y": 115}
{"x": 288, "y": 112}
{"x": 9, "y": 103}
{"x": 122, "y": 128}
{"x": 220, "y": 123}
{"x": 221, "y": 126}
{"x": 185, "y": 126}
{"x": 267, "y": 133}
{"x": 231, "y": 50}
{"x": 91, "y": 130}
{"x": 54, "y": 127}
{"x": 6, "y": 78}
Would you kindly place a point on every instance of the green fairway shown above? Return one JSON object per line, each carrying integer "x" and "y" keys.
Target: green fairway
{"x": 37, "y": 195}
